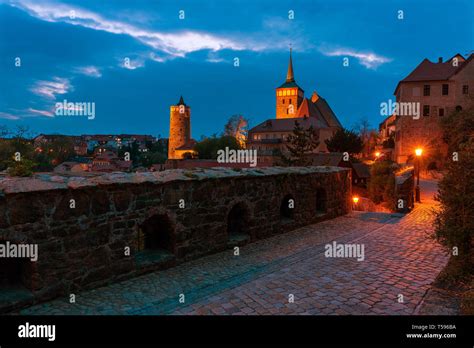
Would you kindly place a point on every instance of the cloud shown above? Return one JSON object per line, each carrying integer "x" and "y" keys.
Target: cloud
{"x": 8, "y": 116}
{"x": 49, "y": 89}
{"x": 175, "y": 43}
{"x": 367, "y": 59}
{"x": 40, "y": 112}
{"x": 90, "y": 70}
{"x": 131, "y": 64}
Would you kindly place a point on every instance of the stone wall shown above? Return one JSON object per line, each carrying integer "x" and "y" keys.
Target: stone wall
{"x": 192, "y": 213}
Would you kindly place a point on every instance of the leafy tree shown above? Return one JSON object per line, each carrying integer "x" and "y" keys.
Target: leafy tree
{"x": 455, "y": 219}
{"x": 236, "y": 127}
{"x": 21, "y": 168}
{"x": 207, "y": 148}
{"x": 345, "y": 141}
{"x": 300, "y": 144}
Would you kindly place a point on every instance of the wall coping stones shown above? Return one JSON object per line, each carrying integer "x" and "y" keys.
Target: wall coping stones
{"x": 53, "y": 181}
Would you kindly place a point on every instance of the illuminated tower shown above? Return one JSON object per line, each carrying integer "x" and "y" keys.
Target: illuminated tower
{"x": 180, "y": 130}
{"x": 289, "y": 95}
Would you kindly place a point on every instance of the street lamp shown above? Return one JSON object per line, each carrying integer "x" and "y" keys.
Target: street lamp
{"x": 418, "y": 153}
{"x": 355, "y": 199}
{"x": 377, "y": 155}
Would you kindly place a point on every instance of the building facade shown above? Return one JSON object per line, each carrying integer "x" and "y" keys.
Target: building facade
{"x": 438, "y": 89}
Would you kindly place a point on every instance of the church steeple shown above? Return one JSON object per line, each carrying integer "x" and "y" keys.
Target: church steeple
{"x": 181, "y": 101}
{"x": 289, "y": 75}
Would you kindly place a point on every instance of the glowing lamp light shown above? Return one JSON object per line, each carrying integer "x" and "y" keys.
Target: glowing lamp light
{"x": 355, "y": 199}
{"x": 377, "y": 154}
{"x": 418, "y": 152}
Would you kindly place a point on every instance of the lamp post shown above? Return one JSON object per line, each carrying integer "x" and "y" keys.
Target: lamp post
{"x": 418, "y": 153}
{"x": 355, "y": 199}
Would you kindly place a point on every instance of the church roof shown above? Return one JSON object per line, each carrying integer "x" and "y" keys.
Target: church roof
{"x": 290, "y": 76}
{"x": 288, "y": 124}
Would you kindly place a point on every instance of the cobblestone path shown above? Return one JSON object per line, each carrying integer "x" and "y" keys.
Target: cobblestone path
{"x": 400, "y": 261}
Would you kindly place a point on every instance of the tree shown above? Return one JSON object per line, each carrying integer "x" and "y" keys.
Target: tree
{"x": 345, "y": 141}
{"x": 299, "y": 145}
{"x": 207, "y": 147}
{"x": 454, "y": 223}
{"x": 236, "y": 127}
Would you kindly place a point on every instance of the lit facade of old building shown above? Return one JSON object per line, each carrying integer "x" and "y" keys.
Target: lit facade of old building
{"x": 440, "y": 88}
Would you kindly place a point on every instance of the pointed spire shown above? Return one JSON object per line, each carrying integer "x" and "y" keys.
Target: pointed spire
{"x": 181, "y": 101}
{"x": 289, "y": 75}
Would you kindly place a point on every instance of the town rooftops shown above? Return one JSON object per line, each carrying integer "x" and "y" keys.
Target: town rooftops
{"x": 439, "y": 71}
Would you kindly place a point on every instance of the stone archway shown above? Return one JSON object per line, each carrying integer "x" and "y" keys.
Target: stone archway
{"x": 157, "y": 234}
{"x": 238, "y": 220}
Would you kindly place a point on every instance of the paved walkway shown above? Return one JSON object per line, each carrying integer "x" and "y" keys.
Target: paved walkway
{"x": 400, "y": 261}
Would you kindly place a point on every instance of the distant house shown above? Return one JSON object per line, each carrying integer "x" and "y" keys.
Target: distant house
{"x": 108, "y": 161}
{"x": 71, "y": 167}
{"x": 360, "y": 171}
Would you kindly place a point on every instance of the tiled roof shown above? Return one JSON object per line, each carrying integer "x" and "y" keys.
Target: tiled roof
{"x": 287, "y": 124}
{"x": 362, "y": 170}
{"x": 429, "y": 71}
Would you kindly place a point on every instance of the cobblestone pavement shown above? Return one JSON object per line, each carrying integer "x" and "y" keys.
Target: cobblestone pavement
{"x": 400, "y": 261}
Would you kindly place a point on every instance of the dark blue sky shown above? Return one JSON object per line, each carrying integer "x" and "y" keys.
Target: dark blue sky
{"x": 78, "y": 56}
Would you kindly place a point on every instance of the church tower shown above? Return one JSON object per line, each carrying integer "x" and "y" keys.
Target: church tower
{"x": 289, "y": 95}
{"x": 180, "y": 130}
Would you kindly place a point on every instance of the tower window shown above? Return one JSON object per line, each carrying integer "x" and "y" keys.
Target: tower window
{"x": 283, "y": 101}
{"x": 290, "y": 101}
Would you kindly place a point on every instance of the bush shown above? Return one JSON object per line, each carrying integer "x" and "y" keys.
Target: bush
{"x": 454, "y": 224}
{"x": 21, "y": 168}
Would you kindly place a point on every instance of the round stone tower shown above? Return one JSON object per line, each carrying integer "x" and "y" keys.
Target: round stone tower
{"x": 180, "y": 130}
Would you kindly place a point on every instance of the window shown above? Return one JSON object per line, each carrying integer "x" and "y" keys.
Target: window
{"x": 426, "y": 110}
{"x": 440, "y": 112}
{"x": 290, "y": 101}
{"x": 283, "y": 101}
{"x": 445, "y": 89}
{"x": 465, "y": 89}
{"x": 426, "y": 90}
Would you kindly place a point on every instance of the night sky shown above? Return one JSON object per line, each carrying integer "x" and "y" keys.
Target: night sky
{"x": 80, "y": 58}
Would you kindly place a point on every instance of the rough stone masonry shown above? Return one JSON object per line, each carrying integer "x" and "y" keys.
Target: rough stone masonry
{"x": 96, "y": 229}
